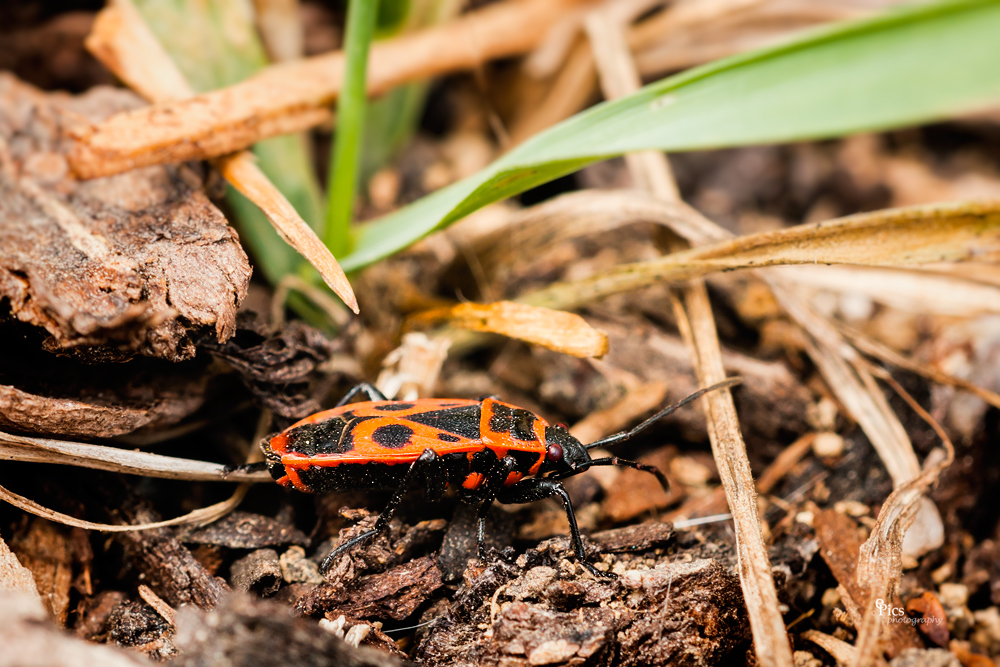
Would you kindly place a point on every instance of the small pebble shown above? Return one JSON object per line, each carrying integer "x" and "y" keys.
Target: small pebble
{"x": 828, "y": 445}
{"x": 953, "y": 595}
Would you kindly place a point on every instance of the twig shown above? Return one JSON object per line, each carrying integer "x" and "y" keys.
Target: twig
{"x": 618, "y": 77}
{"x": 64, "y": 452}
{"x": 123, "y": 42}
{"x": 292, "y": 97}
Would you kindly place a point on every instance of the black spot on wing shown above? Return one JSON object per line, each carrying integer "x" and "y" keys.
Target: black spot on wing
{"x": 392, "y": 436}
{"x": 448, "y": 437}
{"x": 524, "y": 426}
{"x": 320, "y": 438}
{"x": 392, "y": 407}
{"x": 462, "y": 421}
{"x": 502, "y": 419}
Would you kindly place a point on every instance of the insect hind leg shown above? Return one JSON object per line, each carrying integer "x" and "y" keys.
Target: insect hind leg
{"x": 429, "y": 467}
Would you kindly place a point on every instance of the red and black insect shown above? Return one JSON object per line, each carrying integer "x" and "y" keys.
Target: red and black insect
{"x": 487, "y": 449}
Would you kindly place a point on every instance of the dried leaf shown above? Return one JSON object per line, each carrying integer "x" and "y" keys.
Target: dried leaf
{"x": 895, "y": 237}
{"x": 556, "y": 330}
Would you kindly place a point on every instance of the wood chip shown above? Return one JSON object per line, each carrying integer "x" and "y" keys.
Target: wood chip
{"x": 292, "y": 97}
{"x": 116, "y": 266}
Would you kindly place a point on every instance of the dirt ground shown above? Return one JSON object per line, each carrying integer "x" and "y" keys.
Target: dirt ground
{"x": 132, "y": 317}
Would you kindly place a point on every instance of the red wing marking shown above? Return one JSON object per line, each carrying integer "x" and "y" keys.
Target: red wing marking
{"x": 537, "y": 465}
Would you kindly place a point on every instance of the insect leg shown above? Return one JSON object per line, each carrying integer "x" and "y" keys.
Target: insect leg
{"x": 535, "y": 488}
{"x": 428, "y": 466}
{"x": 495, "y": 478}
{"x": 365, "y": 388}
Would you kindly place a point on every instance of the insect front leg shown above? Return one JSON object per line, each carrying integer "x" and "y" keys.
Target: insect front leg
{"x": 537, "y": 488}
{"x": 495, "y": 477}
{"x": 366, "y": 388}
{"x": 428, "y": 467}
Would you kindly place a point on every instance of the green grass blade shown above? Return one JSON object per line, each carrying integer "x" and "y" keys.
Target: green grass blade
{"x": 908, "y": 66}
{"x": 344, "y": 160}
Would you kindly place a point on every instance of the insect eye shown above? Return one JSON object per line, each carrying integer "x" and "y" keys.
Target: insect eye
{"x": 554, "y": 453}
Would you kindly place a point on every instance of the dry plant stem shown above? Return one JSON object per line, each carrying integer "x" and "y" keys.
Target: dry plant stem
{"x": 619, "y": 77}
{"x": 905, "y": 236}
{"x": 283, "y": 98}
{"x": 878, "y": 350}
{"x": 113, "y": 459}
{"x": 842, "y": 652}
{"x": 200, "y": 516}
{"x": 123, "y": 42}
{"x": 880, "y": 563}
{"x": 853, "y": 385}
{"x": 784, "y": 462}
{"x": 571, "y": 90}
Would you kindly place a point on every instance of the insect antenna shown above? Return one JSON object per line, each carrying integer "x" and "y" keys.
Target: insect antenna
{"x": 625, "y": 435}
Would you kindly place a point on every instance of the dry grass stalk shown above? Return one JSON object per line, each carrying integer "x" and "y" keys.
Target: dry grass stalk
{"x": 555, "y": 329}
{"x": 123, "y": 42}
{"x": 684, "y": 35}
{"x": 618, "y": 77}
{"x": 842, "y": 652}
{"x": 64, "y": 452}
{"x": 896, "y": 237}
{"x": 784, "y": 462}
{"x": 200, "y": 516}
{"x": 890, "y": 356}
{"x": 880, "y": 563}
{"x": 293, "y": 96}
{"x": 905, "y": 289}
{"x": 578, "y": 214}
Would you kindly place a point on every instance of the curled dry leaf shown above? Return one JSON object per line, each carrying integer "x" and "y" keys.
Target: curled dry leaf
{"x": 115, "y": 266}
{"x": 556, "y": 330}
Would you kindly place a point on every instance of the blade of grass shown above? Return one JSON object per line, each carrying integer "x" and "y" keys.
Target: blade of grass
{"x": 908, "y": 66}
{"x": 618, "y": 76}
{"x": 344, "y": 160}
